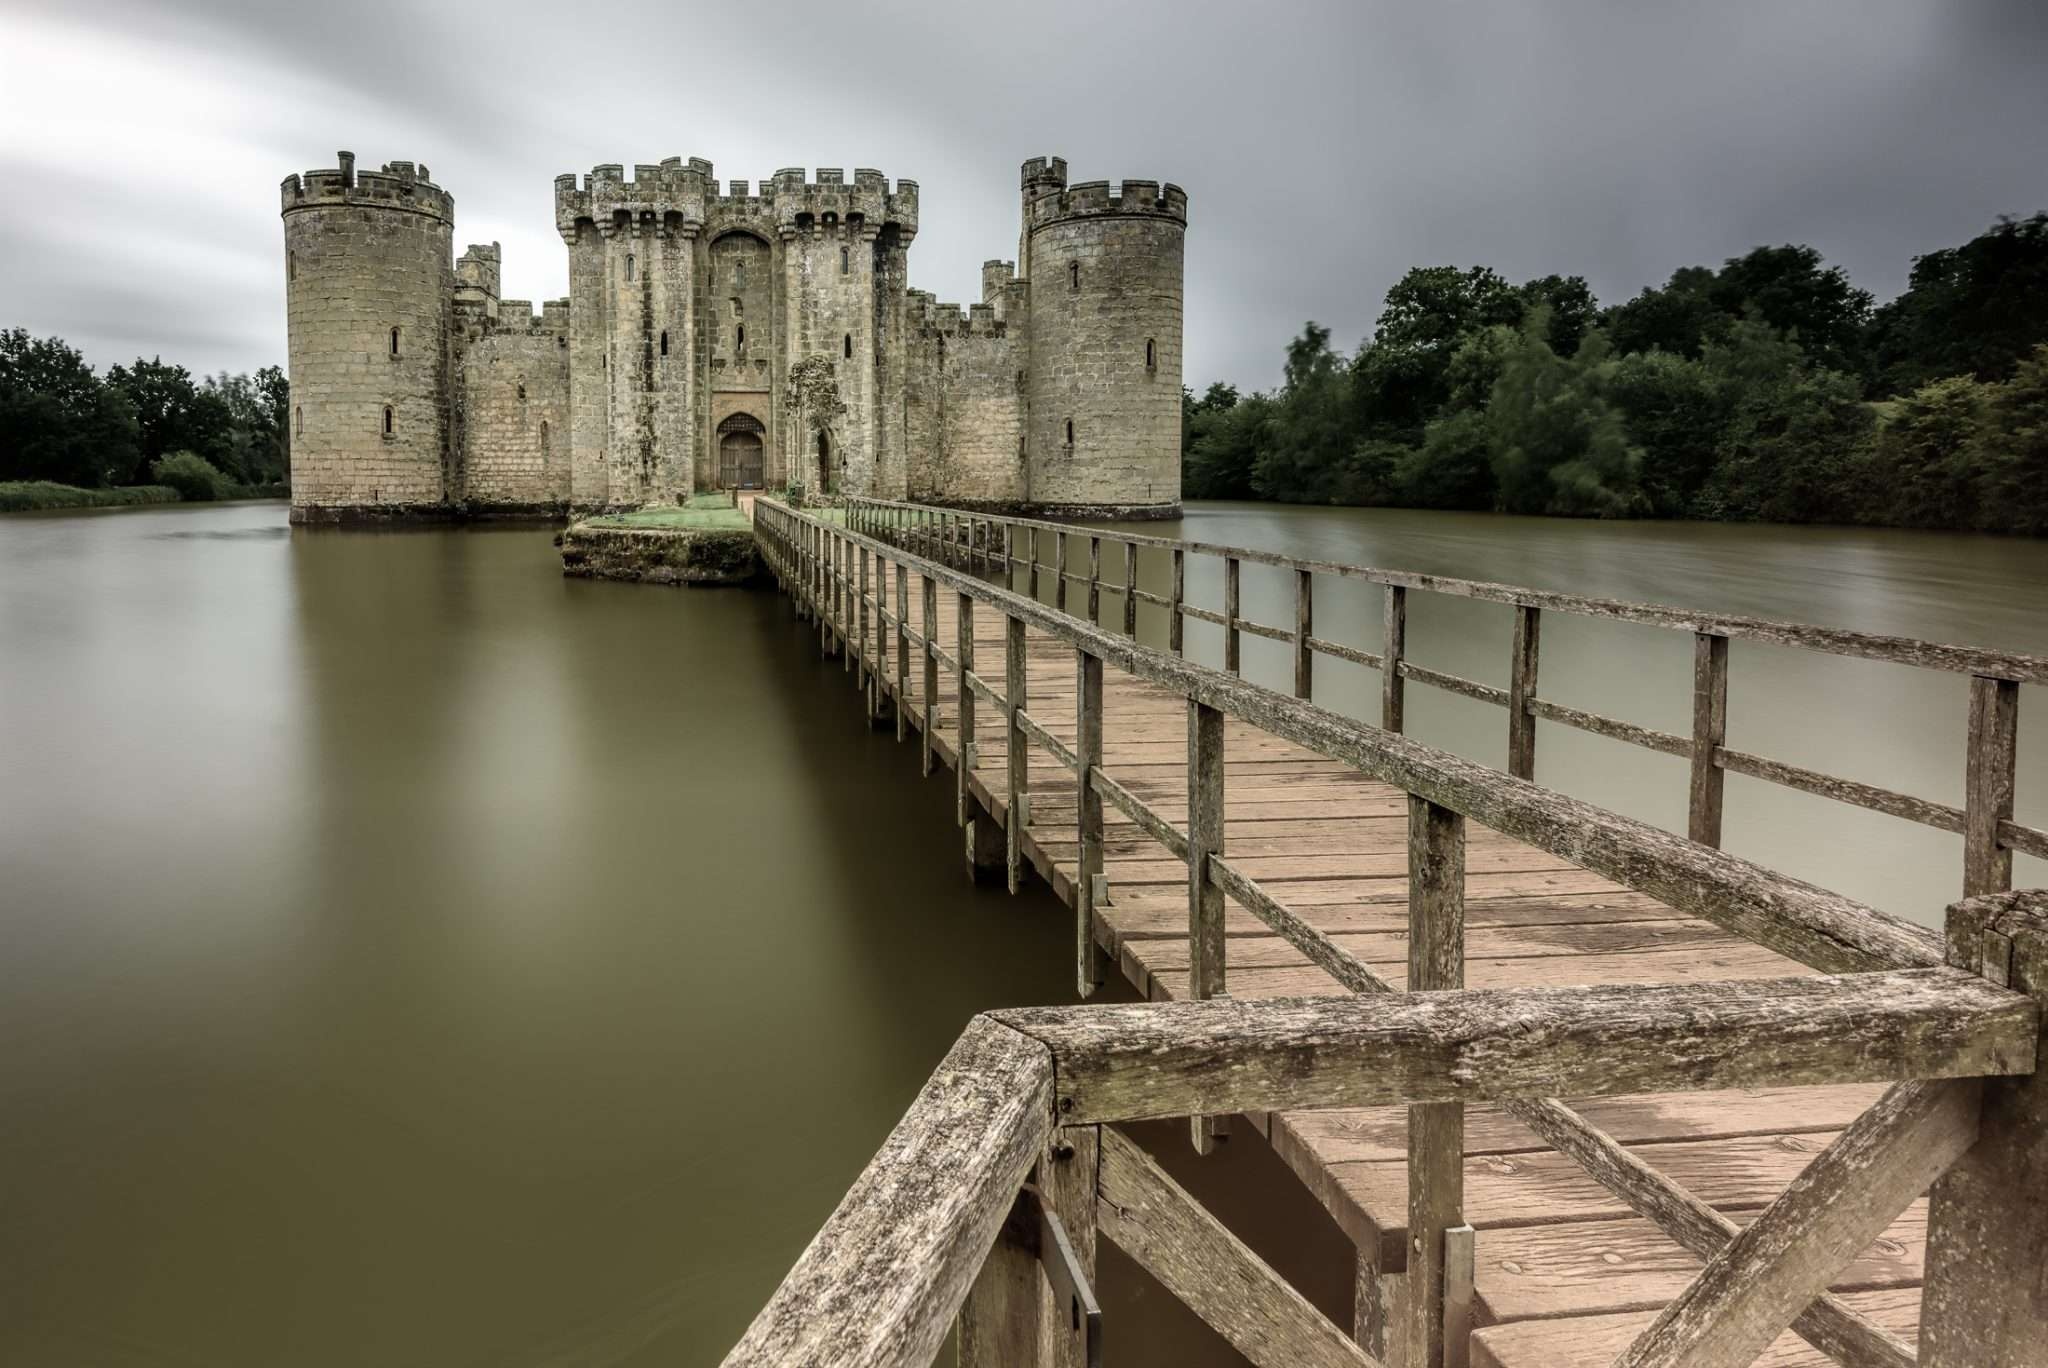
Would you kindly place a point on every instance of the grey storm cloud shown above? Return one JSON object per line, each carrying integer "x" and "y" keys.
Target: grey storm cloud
{"x": 1326, "y": 148}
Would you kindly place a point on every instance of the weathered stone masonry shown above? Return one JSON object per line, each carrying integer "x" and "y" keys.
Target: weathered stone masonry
{"x": 762, "y": 336}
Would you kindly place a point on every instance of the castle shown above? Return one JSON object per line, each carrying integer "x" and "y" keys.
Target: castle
{"x": 762, "y": 337}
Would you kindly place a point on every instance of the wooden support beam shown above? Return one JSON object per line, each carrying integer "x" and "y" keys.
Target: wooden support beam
{"x": 1232, "y": 576}
{"x": 1987, "y": 1226}
{"x": 902, "y": 650}
{"x": 1143, "y": 1061}
{"x": 1436, "y": 1130}
{"x": 1194, "y": 1256}
{"x": 1068, "y": 1177}
{"x": 1059, "y": 571}
{"x": 881, "y": 1281}
{"x": 1088, "y": 867}
{"x": 931, "y": 670}
{"x": 1709, "y": 733}
{"x": 1095, "y": 580}
{"x": 1176, "y": 620}
{"x": 1206, "y": 947}
{"x": 1749, "y": 1292}
{"x": 1304, "y": 633}
{"x": 1521, "y": 689}
{"x": 1009, "y": 555}
{"x": 963, "y": 657}
{"x": 1988, "y": 784}
{"x": 1393, "y": 650}
{"x": 1017, "y": 749}
{"x": 1130, "y": 589}
{"x": 1034, "y": 562}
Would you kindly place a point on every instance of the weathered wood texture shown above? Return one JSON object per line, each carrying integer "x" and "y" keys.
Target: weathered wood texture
{"x": 1748, "y": 1293}
{"x": 1153, "y": 1219}
{"x": 882, "y": 1280}
{"x": 1119, "y": 1063}
{"x": 1987, "y": 1237}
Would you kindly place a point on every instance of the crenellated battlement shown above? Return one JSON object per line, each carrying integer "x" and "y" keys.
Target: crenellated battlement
{"x": 479, "y": 268}
{"x": 1095, "y": 199}
{"x": 401, "y": 185}
{"x": 929, "y": 317}
{"x": 685, "y": 195}
{"x": 517, "y": 316}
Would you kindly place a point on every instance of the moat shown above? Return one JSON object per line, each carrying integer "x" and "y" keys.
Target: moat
{"x": 390, "y": 917}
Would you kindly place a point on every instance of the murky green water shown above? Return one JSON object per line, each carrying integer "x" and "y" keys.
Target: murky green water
{"x": 408, "y": 957}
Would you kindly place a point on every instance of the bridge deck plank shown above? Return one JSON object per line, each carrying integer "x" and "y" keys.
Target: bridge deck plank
{"x": 1565, "y": 1275}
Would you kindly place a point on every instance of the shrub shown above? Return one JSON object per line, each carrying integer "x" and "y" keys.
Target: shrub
{"x": 192, "y": 476}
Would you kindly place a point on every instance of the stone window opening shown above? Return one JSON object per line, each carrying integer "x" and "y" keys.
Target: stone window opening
{"x": 739, "y": 337}
{"x": 845, "y": 260}
{"x": 300, "y": 416}
{"x": 394, "y": 341}
{"x": 522, "y": 393}
{"x": 849, "y": 346}
{"x": 389, "y": 424}
{"x": 664, "y": 341}
{"x": 1151, "y": 354}
{"x": 629, "y": 265}
{"x": 1073, "y": 275}
{"x": 543, "y": 434}
{"x": 824, "y": 463}
{"x": 291, "y": 265}
{"x": 1070, "y": 432}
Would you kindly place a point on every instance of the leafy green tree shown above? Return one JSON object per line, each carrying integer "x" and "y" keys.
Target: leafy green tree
{"x": 2014, "y": 450}
{"x": 1225, "y": 447}
{"x": 1453, "y": 468}
{"x": 1925, "y": 467}
{"x": 1558, "y": 446}
{"x": 1400, "y": 375}
{"x": 1674, "y": 318}
{"x": 1675, "y": 411}
{"x": 59, "y": 421}
{"x": 1311, "y": 430}
{"x": 1978, "y": 309}
{"x": 1789, "y": 289}
{"x": 195, "y": 479}
{"x": 1796, "y": 443}
{"x": 1572, "y": 309}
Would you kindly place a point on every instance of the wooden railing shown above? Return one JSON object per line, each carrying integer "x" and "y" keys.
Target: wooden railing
{"x": 935, "y": 1231}
{"x": 1005, "y": 546}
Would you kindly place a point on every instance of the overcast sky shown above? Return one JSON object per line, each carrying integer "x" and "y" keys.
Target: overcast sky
{"x": 1325, "y": 148}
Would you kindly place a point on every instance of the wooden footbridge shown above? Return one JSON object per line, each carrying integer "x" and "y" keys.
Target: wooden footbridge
{"x": 1392, "y": 963}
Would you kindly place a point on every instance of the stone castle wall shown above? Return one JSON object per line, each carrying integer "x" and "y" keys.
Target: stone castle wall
{"x": 368, "y": 259}
{"x": 513, "y": 396}
{"x": 972, "y": 400}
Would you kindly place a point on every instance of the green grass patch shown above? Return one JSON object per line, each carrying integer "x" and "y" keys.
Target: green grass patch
{"x": 696, "y": 517}
{"x": 23, "y": 496}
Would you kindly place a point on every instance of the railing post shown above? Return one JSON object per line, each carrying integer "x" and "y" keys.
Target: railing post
{"x": 1034, "y": 562}
{"x": 1988, "y": 784}
{"x": 931, "y": 668}
{"x": 1017, "y": 748}
{"x": 1304, "y": 628}
{"x": 1009, "y": 555}
{"x": 1059, "y": 570}
{"x": 1088, "y": 870}
{"x": 1176, "y": 620}
{"x": 1522, "y": 689}
{"x": 864, "y": 673}
{"x": 902, "y": 650}
{"x": 1709, "y": 731}
{"x": 1232, "y": 573}
{"x": 1095, "y": 580}
{"x": 1206, "y": 948}
{"x": 1131, "y": 590}
{"x": 963, "y": 654}
{"x": 1987, "y": 1221}
{"x": 1436, "y": 1130}
{"x": 1394, "y": 650}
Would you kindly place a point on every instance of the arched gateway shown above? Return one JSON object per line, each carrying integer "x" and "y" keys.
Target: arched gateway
{"x": 740, "y": 449}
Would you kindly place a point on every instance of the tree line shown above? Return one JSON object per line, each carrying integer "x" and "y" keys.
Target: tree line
{"x": 149, "y": 424}
{"x": 1769, "y": 389}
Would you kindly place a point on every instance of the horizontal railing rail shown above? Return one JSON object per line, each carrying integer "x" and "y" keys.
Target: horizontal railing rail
{"x": 1902, "y": 993}
{"x": 1006, "y": 546}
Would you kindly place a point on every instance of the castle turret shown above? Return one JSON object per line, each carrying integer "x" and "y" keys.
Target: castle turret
{"x": 369, "y": 280}
{"x": 1105, "y": 273}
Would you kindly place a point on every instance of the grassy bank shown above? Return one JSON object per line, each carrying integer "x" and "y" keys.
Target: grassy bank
{"x": 703, "y": 513}
{"x": 23, "y": 496}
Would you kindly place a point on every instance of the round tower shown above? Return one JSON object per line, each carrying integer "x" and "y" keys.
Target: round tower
{"x": 369, "y": 291}
{"x": 1105, "y": 369}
